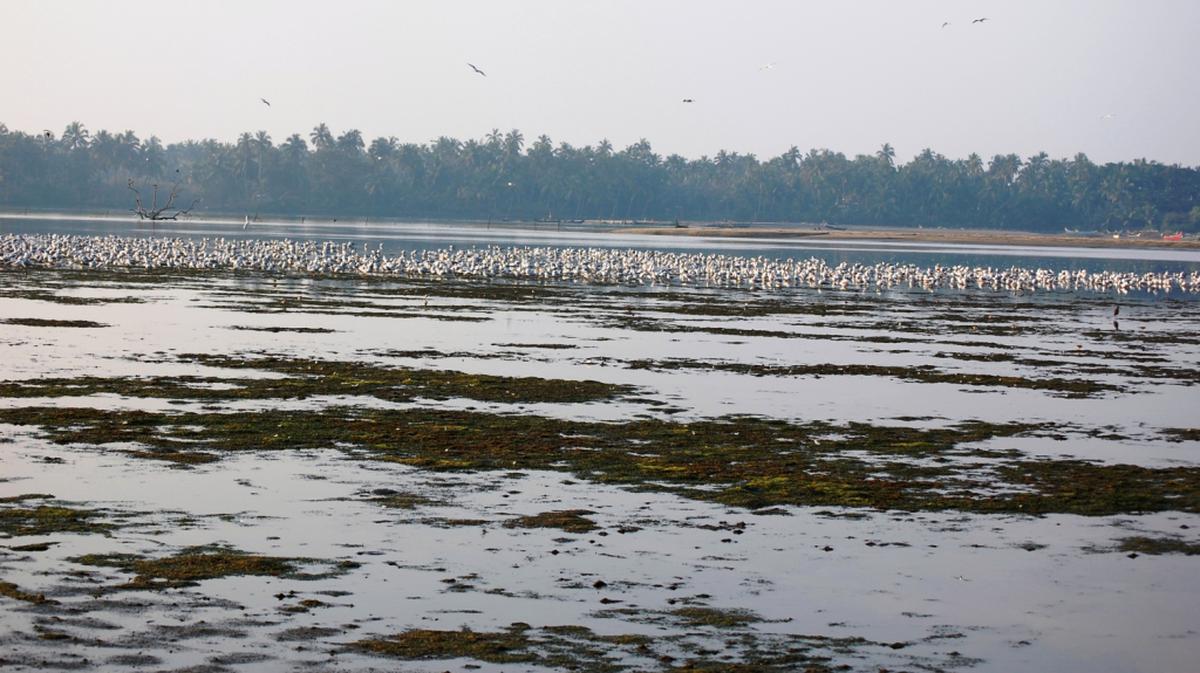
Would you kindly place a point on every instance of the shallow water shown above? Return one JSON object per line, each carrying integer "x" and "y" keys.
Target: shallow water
{"x": 954, "y": 591}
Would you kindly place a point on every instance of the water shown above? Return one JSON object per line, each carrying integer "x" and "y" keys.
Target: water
{"x": 1004, "y": 591}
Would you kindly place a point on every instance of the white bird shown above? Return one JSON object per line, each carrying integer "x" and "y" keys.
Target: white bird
{"x": 246, "y": 223}
{"x": 768, "y": 66}
{"x": 477, "y": 69}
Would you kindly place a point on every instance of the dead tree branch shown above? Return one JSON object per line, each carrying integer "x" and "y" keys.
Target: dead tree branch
{"x": 154, "y": 212}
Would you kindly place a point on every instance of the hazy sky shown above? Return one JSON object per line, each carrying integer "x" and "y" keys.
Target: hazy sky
{"x": 1116, "y": 79}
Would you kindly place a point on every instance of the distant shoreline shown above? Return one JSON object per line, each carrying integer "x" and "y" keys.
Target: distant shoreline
{"x": 961, "y": 236}
{"x": 693, "y": 229}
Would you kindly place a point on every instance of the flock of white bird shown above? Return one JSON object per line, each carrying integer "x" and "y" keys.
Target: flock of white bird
{"x": 586, "y": 265}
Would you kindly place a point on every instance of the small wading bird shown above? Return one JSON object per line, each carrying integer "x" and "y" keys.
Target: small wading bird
{"x": 477, "y": 69}
{"x": 265, "y": 102}
{"x": 980, "y": 20}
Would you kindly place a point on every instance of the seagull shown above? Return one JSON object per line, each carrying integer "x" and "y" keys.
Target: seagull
{"x": 945, "y": 23}
{"x": 477, "y": 69}
{"x": 980, "y": 20}
{"x": 1108, "y": 116}
{"x": 265, "y": 102}
{"x": 768, "y": 66}
{"x": 688, "y": 100}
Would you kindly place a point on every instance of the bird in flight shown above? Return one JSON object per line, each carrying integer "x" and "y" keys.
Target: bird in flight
{"x": 477, "y": 69}
{"x": 1108, "y": 116}
{"x": 265, "y": 102}
{"x": 980, "y": 20}
{"x": 945, "y": 23}
{"x": 768, "y": 66}
{"x": 688, "y": 100}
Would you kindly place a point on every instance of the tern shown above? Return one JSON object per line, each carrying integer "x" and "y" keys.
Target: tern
{"x": 980, "y": 20}
{"x": 477, "y": 69}
{"x": 265, "y": 102}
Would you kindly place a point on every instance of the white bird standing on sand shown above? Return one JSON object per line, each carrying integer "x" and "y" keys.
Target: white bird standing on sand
{"x": 246, "y": 223}
{"x": 477, "y": 69}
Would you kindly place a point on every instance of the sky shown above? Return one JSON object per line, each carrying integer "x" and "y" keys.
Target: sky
{"x": 1115, "y": 79}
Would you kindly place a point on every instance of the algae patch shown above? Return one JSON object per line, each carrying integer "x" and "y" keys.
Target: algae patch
{"x": 194, "y": 564}
{"x": 571, "y": 521}
{"x": 44, "y": 322}
{"x": 1159, "y": 545}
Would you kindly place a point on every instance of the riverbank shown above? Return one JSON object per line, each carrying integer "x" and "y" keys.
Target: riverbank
{"x": 954, "y": 236}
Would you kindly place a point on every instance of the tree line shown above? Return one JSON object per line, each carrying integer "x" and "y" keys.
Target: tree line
{"x": 500, "y": 176}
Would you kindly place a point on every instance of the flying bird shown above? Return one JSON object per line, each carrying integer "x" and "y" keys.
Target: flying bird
{"x": 688, "y": 100}
{"x": 265, "y": 102}
{"x": 1108, "y": 116}
{"x": 945, "y": 23}
{"x": 980, "y": 20}
{"x": 768, "y": 66}
{"x": 477, "y": 69}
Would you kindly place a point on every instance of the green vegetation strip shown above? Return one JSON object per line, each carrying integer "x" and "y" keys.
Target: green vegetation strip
{"x": 741, "y": 461}
{"x": 44, "y": 322}
{"x": 195, "y": 564}
{"x": 17, "y": 520}
{"x": 1159, "y": 545}
{"x": 302, "y": 378}
{"x": 1073, "y": 388}
{"x": 578, "y": 648}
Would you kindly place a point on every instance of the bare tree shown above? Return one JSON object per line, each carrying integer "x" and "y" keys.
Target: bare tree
{"x": 154, "y": 212}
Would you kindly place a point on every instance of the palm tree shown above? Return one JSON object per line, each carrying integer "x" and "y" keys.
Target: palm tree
{"x": 75, "y": 137}
{"x": 887, "y": 155}
{"x": 321, "y": 137}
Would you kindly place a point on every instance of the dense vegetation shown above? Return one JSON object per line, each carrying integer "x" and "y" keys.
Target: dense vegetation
{"x": 499, "y": 177}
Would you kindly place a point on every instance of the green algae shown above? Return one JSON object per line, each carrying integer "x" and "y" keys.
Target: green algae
{"x": 45, "y": 322}
{"x": 48, "y": 519}
{"x": 570, "y": 520}
{"x": 742, "y": 461}
{"x": 391, "y": 499}
{"x": 301, "y": 378}
{"x": 71, "y": 300}
{"x": 193, "y": 565}
{"x": 1159, "y": 545}
{"x": 715, "y": 617}
{"x": 578, "y": 648}
{"x": 1182, "y": 434}
{"x": 1074, "y": 388}
{"x": 277, "y": 330}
